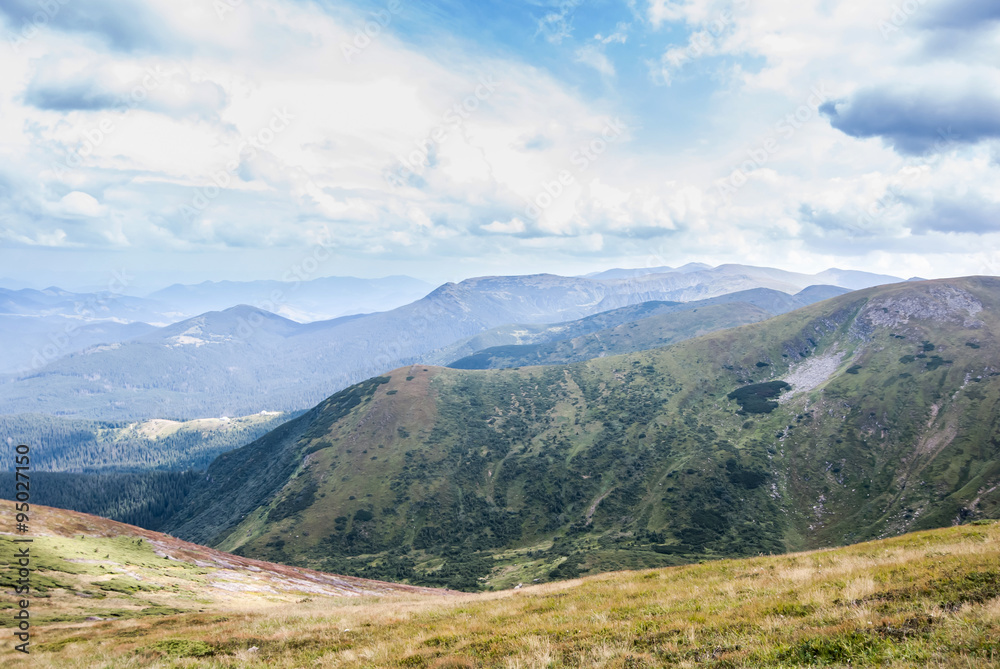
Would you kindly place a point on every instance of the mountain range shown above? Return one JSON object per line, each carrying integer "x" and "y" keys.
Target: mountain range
{"x": 862, "y": 416}
{"x": 40, "y": 326}
{"x": 303, "y": 301}
{"x": 244, "y": 359}
{"x": 633, "y": 328}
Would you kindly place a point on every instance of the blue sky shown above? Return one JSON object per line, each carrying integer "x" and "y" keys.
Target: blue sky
{"x": 211, "y": 139}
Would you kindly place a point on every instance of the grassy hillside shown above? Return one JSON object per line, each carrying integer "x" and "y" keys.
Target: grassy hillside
{"x": 450, "y": 477}
{"x": 926, "y": 599}
{"x": 90, "y": 573}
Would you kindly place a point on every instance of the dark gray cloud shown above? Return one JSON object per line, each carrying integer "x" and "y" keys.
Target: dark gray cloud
{"x": 969, "y": 214}
{"x": 175, "y": 94}
{"x": 73, "y": 96}
{"x": 960, "y": 14}
{"x": 917, "y": 122}
{"x": 125, "y": 25}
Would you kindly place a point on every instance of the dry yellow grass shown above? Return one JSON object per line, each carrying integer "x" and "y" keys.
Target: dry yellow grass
{"x": 925, "y": 599}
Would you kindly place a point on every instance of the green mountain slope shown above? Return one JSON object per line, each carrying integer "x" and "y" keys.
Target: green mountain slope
{"x": 888, "y": 423}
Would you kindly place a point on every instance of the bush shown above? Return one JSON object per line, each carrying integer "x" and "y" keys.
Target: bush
{"x": 183, "y": 648}
{"x": 755, "y": 398}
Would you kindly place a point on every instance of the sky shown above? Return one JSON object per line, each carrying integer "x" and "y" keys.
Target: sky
{"x": 185, "y": 140}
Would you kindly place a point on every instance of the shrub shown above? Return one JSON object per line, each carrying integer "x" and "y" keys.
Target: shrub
{"x": 755, "y": 398}
{"x": 183, "y": 648}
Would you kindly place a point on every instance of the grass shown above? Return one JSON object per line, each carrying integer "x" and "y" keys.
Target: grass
{"x": 925, "y": 599}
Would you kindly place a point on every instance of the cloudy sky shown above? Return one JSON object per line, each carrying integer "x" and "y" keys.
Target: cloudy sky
{"x": 210, "y": 139}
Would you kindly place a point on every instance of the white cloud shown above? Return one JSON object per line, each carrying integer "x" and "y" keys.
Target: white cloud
{"x": 137, "y": 169}
{"x": 592, "y": 56}
{"x": 211, "y": 114}
{"x": 511, "y": 227}
{"x": 78, "y": 205}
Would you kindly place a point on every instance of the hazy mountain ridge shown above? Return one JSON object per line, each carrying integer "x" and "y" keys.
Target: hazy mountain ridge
{"x": 104, "y": 305}
{"x": 649, "y": 323}
{"x": 211, "y": 373}
{"x": 730, "y": 275}
{"x": 30, "y": 341}
{"x": 319, "y": 299}
{"x": 643, "y": 334}
{"x": 890, "y": 424}
{"x": 38, "y": 327}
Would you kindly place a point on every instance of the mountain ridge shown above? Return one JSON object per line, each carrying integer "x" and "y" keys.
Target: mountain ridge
{"x": 672, "y": 320}
{"x": 807, "y": 429}
{"x": 218, "y": 373}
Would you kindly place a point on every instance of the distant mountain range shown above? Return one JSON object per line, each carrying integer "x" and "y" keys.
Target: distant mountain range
{"x": 766, "y": 277}
{"x": 83, "y": 307}
{"x": 40, "y": 326}
{"x": 314, "y": 300}
{"x": 243, "y": 360}
{"x": 633, "y": 328}
{"x": 34, "y": 341}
